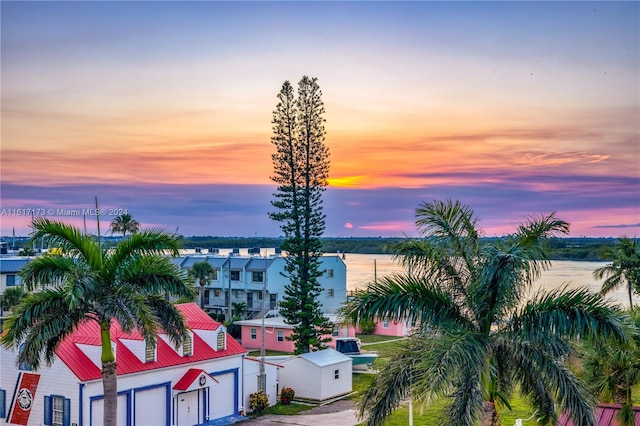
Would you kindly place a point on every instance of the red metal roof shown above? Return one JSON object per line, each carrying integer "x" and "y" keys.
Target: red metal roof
{"x": 605, "y": 416}
{"x": 88, "y": 333}
{"x": 189, "y": 377}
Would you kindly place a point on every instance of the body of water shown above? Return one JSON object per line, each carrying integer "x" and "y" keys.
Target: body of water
{"x": 363, "y": 268}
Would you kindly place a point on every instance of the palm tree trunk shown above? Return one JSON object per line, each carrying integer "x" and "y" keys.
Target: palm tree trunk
{"x": 630, "y": 289}
{"x": 202, "y": 294}
{"x": 489, "y": 415}
{"x": 110, "y": 390}
{"x": 622, "y": 394}
{"x": 109, "y": 376}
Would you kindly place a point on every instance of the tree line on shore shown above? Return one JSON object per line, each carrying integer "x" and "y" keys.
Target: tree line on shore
{"x": 586, "y": 249}
{"x": 579, "y": 249}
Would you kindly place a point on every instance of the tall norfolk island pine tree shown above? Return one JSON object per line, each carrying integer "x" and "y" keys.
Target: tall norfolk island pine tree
{"x": 301, "y": 168}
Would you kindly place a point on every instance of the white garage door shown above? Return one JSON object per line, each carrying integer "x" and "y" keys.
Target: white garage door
{"x": 223, "y": 396}
{"x": 150, "y": 407}
{"x": 97, "y": 411}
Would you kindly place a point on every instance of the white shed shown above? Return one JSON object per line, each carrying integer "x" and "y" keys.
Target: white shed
{"x": 317, "y": 375}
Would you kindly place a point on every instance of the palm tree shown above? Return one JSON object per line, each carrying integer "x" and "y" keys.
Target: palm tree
{"x": 123, "y": 224}
{"x": 11, "y": 297}
{"x": 612, "y": 369}
{"x": 625, "y": 268}
{"x": 478, "y": 336}
{"x": 128, "y": 284}
{"x": 240, "y": 309}
{"x": 201, "y": 272}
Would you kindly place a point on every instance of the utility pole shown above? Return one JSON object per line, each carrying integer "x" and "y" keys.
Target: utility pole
{"x": 262, "y": 377}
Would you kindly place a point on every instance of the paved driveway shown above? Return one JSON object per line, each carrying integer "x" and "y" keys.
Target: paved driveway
{"x": 340, "y": 418}
{"x": 339, "y": 413}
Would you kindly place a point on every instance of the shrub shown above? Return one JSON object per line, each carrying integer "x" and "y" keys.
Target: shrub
{"x": 367, "y": 326}
{"x": 258, "y": 401}
{"x": 286, "y": 396}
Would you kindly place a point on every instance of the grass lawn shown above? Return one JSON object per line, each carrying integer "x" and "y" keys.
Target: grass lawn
{"x": 429, "y": 415}
{"x": 372, "y": 338}
{"x": 287, "y": 410}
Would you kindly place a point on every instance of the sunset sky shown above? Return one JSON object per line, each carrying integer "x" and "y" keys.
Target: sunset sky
{"x": 164, "y": 109}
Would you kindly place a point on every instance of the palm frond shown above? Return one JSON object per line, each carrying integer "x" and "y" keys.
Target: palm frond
{"x": 391, "y": 386}
{"x": 440, "y": 373}
{"x": 571, "y": 313}
{"x": 405, "y": 298}
{"x": 540, "y": 371}
{"x": 154, "y": 274}
{"x": 467, "y": 401}
{"x": 150, "y": 242}
{"x": 170, "y": 319}
{"x": 452, "y": 225}
{"x": 47, "y": 270}
{"x": 533, "y": 236}
{"x": 42, "y": 321}
{"x": 72, "y": 241}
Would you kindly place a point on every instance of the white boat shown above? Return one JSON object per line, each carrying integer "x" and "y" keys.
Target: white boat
{"x": 350, "y": 346}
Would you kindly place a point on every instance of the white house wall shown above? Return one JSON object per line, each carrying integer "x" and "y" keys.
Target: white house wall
{"x": 251, "y": 372}
{"x": 55, "y": 380}
{"x": 142, "y": 396}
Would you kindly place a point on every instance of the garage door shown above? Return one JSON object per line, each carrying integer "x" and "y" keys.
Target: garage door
{"x": 150, "y": 407}
{"x": 97, "y": 411}
{"x": 223, "y": 396}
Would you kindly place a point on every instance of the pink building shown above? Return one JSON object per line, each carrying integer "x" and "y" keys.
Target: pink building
{"x": 391, "y": 328}
{"x": 276, "y": 332}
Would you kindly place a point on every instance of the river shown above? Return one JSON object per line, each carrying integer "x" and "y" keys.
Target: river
{"x": 362, "y": 268}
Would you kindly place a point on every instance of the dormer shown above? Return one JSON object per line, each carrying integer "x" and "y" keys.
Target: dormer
{"x": 216, "y": 339}
{"x": 185, "y": 349}
{"x": 140, "y": 349}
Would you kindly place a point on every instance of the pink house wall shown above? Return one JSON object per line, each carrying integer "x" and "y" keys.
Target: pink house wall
{"x": 272, "y": 343}
{"x": 392, "y": 328}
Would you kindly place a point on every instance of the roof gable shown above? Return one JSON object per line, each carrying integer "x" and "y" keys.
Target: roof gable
{"x": 77, "y": 353}
{"x": 194, "y": 379}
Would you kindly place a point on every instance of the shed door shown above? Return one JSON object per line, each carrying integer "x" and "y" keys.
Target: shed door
{"x": 223, "y": 396}
{"x": 151, "y": 407}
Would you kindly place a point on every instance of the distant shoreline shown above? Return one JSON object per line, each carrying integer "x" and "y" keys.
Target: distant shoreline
{"x": 571, "y": 248}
